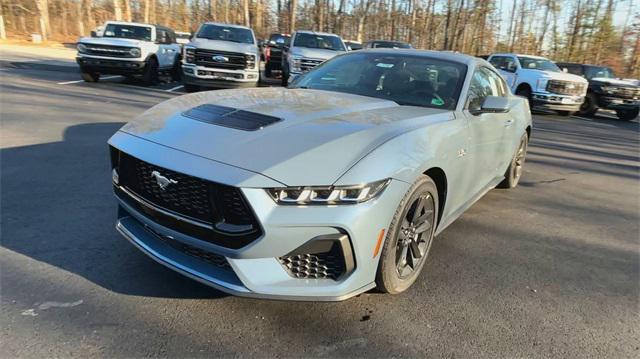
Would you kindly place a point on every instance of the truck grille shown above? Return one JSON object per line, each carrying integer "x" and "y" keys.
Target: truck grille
{"x": 108, "y": 50}
{"x": 309, "y": 64}
{"x": 225, "y": 60}
{"x": 627, "y": 92}
{"x": 566, "y": 87}
{"x": 206, "y": 210}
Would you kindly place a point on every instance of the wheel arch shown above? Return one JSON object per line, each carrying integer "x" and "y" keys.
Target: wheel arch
{"x": 524, "y": 85}
{"x": 440, "y": 178}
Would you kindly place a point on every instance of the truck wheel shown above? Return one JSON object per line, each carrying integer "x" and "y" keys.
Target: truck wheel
{"x": 589, "y": 106}
{"x": 525, "y": 92}
{"x": 628, "y": 115}
{"x": 90, "y": 76}
{"x": 150, "y": 75}
{"x": 176, "y": 70}
{"x": 565, "y": 113}
{"x": 267, "y": 70}
{"x": 191, "y": 88}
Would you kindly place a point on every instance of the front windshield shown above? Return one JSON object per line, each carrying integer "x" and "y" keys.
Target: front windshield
{"x": 280, "y": 39}
{"x": 225, "y": 33}
{"x": 325, "y": 42}
{"x": 128, "y": 32}
{"x": 406, "y": 80}
{"x": 602, "y": 72}
{"x": 533, "y": 63}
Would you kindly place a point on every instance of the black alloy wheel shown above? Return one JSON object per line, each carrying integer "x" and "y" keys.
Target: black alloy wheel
{"x": 415, "y": 235}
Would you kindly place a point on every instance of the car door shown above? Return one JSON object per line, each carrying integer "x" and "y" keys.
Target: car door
{"x": 507, "y": 66}
{"x": 487, "y": 131}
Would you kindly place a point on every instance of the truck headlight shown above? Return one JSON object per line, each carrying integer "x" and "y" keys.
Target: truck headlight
{"x": 82, "y": 47}
{"x": 295, "y": 63}
{"x": 135, "y": 52}
{"x": 541, "y": 84}
{"x": 328, "y": 195}
{"x": 608, "y": 90}
{"x": 189, "y": 55}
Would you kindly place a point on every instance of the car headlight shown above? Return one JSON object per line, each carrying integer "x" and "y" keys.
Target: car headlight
{"x": 295, "y": 63}
{"x": 135, "y": 52}
{"x": 189, "y": 55}
{"x": 541, "y": 84}
{"x": 608, "y": 90}
{"x": 82, "y": 48}
{"x": 328, "y": 195}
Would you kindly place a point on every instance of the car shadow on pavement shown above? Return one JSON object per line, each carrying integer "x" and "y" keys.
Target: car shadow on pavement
{"x": 58, "y": 208}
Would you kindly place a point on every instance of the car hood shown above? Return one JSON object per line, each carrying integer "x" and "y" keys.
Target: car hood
{"x": 614, "y": 82}
{"x": 110, "y": 41}
{"x": 224, "y": 46}
{"x": 315, "y": 53}
{"x": 552, "y": 75}
{"x": 320, "y": 134}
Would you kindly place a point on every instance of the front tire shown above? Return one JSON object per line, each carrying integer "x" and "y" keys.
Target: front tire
{"x": 285, "y": 76}
{"x": 516, "y": 167}
{"x": 176, "y": 70}
{"x": 589, "y": 106}
{"x": 409, "y": 238}
{"x": 90, "y": 76}
{"x": 628, "y": 115}
{"x": 268, "y": 69}
{"x": 150, "y": 75}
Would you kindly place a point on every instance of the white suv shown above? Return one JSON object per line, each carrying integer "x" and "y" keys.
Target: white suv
{"x": 129, "y": 49}
{"x": 542, "y": 82}
{"x": 309, "y": 49}
{"x": 221, "y": 56}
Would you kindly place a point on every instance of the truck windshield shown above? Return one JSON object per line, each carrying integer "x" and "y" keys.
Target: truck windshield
{"x": 591, "y": 72}
{"x": 533, "y": 63}
{"x": 405, "y": 79}
{"x": 390, "y": 45}
{"x": 325, "y": 42}
{"x": 280, "y": 39}
{"x": 128, "y": 32}
{"x": 225, "y": 33}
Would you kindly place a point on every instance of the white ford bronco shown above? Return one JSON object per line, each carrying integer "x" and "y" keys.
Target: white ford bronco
{"x": 221, "y": 56}
{"x": 129, "y": 49}
{"x": 542, "y": 82}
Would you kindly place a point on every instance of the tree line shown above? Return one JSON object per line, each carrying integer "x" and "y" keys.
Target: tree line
{"x": 571, "y": 30}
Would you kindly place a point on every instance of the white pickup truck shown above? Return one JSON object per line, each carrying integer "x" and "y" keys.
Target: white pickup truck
{"x": 542, "y": 82}
{"x": 221, "y": 56}
{"x": 129, "y": 49}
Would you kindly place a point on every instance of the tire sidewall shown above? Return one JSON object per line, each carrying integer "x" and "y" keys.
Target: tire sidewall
{"x": 151, "y": 71}
{"x": 387, "y": 276}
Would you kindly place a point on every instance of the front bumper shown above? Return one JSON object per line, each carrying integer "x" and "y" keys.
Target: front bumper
{"x": 219, "y": 78}
{"x": 556, "y": 102}
{"x": 615, "y": 103}
{"x": 110, "y": 66}
{"x": 256, "y": 269}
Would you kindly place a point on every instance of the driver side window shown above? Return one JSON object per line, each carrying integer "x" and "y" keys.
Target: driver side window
{"x": 483, "y": 83}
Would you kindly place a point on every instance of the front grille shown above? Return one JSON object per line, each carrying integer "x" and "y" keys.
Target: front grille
{"x": 227, "y": 60}
{"x": 566, "y": 87}
{"x": 308, "y": 64}
{"x": 206, "y": 210}
{"x": 108, "y": 50}
{"x": 209, "y": 257}
{"x": 627, "y": 92}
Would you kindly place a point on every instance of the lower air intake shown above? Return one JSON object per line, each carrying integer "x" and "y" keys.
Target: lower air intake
{"x": 324, "y": 257}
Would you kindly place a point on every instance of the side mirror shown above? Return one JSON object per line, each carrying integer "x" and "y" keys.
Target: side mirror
{"x": 94, "y": 34}
{"x": 495, "y": 104}
{"x": 349, "y": 48}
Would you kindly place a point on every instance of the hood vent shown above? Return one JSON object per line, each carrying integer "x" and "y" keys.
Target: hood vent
{"x": 231, "y": 117}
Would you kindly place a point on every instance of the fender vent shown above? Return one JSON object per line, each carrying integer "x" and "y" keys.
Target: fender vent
{"x": 231, "y": 117}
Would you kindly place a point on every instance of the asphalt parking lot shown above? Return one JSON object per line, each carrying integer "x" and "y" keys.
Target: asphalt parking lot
{"x": 551, "y": 269}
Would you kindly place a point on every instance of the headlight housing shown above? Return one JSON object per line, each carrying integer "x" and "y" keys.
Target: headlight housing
{"x": 295, "y": 63}
{"x": 135, "y": 52}
{"x": 327, "y": 195}
{"x": 189, "y": 55}
{"x": 82, "y": 47}
{"x": 541, "y": 84}
{"x": 250, "y": 60}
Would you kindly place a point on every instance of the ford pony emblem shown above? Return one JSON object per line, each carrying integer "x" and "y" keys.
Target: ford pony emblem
{"x": 162, "y": 181}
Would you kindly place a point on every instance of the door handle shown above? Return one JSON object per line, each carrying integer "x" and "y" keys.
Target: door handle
{"x": 508, "y": 123}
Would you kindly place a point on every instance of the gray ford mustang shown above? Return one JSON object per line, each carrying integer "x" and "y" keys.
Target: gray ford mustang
{"x": 323, "y": 190}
